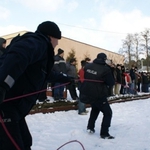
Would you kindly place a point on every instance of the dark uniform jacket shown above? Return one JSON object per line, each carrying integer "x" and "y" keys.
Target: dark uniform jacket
{"x": 59, "y": 64}
{"x": 25, "y": 67}
{"x": 118, "y": 76}
{"x": 98, "y": 77}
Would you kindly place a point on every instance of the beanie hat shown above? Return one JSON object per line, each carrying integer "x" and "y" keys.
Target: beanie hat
{"x": 102, "y": 56}
{"x": 49, "y": 28}
{"x": 60, "y": 51}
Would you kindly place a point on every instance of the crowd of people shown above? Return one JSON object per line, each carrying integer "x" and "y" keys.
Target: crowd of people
{"x": 128, "y": 81}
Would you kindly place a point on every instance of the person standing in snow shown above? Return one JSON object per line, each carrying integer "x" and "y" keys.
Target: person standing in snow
{"x": 94, "y": 89}
{"x": 25, "y": 67}
{"x": 71, "y": 71}
{"x": 81, "y": 106}
{"x": 59, "y": 66}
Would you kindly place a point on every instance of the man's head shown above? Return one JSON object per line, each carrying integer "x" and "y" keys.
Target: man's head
{"x": 102, "y": 56}
{"x": 83, "y": 63}
{"x": 72, "y": 61}
{"x": 60, "y": 52}
{"x": 118, "y": 66}
{"x": 51, "y": 30}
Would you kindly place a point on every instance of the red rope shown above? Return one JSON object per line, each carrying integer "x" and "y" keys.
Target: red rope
{"x": 8, "y": 134}
{"x": 30, "y": 94}
{"x": 26, "y": 95}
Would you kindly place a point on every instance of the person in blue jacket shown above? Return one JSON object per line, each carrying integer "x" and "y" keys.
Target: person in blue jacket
{"x": 25, "y": 67}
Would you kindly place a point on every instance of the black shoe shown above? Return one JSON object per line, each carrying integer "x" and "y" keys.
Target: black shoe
{"x": 91, "y": 131}
{"x": 63, "y": 99}
{"x": 47, "y": 100}
{"x": 56, "y": 98}
{"x": 107, "y": 137}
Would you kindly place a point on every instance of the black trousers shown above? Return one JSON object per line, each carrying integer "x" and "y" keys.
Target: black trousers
{"x": 107, "y": 115}
{"x": 18, "y": 130}
{"x": 72, "y": 90}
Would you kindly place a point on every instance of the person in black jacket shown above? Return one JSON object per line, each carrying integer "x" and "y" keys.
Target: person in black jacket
{"x": 94, "y": 89}
{"x": 118, "y": 82}
{"x": 27, "y": 65}
{"x": 59, "y": 66}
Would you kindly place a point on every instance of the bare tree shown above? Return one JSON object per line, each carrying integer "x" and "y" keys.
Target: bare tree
{"x": 145, "y": 44}
{"x": 136, "y": 40}
{"x": 128, "y": 47}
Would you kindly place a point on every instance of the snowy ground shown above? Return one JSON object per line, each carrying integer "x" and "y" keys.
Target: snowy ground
{"x": 130, "y": 126}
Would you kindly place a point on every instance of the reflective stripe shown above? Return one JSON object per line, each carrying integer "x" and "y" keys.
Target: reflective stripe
{"x": 59, "y": 61}
{"x": 9, "y": 80}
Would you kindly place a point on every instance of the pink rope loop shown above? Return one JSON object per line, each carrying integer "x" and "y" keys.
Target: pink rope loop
{"x": 71, "y": 142}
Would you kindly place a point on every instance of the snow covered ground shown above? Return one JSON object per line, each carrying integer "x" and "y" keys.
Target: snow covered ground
{"x": 130, "y": 126}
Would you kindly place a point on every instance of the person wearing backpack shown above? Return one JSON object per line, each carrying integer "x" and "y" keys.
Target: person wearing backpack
{"x": 94, "y": 90}
{"x": 25, "y": 67}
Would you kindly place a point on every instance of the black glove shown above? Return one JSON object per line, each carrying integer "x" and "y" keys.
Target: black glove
{"x": 67, "y": 78}
{"x": 2, "y": 94}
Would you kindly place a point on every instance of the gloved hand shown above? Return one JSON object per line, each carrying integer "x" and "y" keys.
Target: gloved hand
{"x": 2, "y": 94}
{"x": 67, "y": 78}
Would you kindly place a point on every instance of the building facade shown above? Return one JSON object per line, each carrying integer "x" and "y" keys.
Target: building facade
{"x": 82, "y": 50}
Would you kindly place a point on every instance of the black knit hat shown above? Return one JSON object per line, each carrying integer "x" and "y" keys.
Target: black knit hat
{"x": 102, "y": 56}
{"x": 49, "y": 28}
{"x": 60, "y": 51}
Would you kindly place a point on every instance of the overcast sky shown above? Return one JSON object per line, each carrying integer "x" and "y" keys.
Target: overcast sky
{"x": 101, "y": 23}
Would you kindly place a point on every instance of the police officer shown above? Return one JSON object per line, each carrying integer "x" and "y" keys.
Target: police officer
{"x": 94, "y": 90}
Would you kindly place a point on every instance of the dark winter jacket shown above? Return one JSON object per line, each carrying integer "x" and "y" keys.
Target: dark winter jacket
{"x": 98, "y": 77}
{"x": 25, "y": 67}
{"x": 59, "y": 64}
{"x": 132, "y": 74}
{"x": 71, "y": 70}
{"x": 144, "y": 78}
{"x": 118, "y": 76}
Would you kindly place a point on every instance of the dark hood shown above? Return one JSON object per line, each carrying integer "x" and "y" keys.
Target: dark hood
{"x": 99, "y": 61}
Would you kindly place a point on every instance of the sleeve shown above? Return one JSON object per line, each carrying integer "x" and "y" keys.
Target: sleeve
{"x": 18, "y": 57}
{"x": 59, "y": 77}
{"x": 109, "y": 80}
